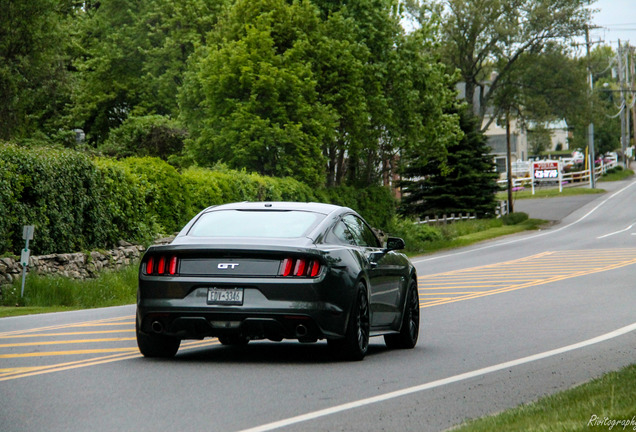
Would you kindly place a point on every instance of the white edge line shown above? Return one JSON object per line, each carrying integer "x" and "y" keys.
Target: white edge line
{"x": 616, "y": 232}
{"x": 529, "y": 237}
{"x": 433, "y": 384}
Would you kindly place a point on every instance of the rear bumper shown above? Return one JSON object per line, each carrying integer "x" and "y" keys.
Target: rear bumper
{"x": 304, "y": 310}
{"x": 197, "y": 325}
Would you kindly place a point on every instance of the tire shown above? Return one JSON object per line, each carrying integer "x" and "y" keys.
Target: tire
{"x": 154, "y": 345}
{"x": 233, "y": 340}
{"x": 410, "y": 329}
{"x": 355, "y": 344}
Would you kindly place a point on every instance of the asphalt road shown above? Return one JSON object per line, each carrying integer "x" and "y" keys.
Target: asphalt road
{"x": 503, "y": 322}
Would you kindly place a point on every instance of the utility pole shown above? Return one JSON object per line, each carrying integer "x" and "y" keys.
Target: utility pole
{"x": 590, "y": 128}
{"x": 623, "y": 114}
{"x": 509, "y": 164}
{"x": 632, "y": 87}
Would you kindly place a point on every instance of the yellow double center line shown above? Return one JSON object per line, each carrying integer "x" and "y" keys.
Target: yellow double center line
{"x": 127, "y": 353}
{"x": 437, "y": 289}
{"x": 540, "y": 269}
{"x": 124, "y": 353}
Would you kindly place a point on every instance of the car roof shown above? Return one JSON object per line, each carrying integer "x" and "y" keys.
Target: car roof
{"x": 280, "y": 205}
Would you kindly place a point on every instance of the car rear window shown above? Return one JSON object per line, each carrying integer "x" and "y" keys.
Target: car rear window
{"x": 255, "y": 223}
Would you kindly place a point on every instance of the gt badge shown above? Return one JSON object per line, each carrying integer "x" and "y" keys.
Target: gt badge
{"x": 225, "y": 266}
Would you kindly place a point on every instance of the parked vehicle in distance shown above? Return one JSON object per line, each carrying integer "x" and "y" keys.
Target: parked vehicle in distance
{"x": 277, "y": 270}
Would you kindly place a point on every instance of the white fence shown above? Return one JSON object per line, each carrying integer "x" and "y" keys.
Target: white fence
{"x": 501, "y": 210}
{"x": 570, "y": 178}
{"x": 444, "y": 219}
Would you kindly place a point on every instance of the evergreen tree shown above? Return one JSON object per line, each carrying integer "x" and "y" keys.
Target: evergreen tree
{"x": 469, "y": 184}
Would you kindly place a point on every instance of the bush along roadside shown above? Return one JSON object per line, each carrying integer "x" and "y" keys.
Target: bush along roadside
{"x": 80, "y": 203}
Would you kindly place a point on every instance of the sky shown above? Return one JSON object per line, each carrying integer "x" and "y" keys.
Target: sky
{"x": 618, "y": 19}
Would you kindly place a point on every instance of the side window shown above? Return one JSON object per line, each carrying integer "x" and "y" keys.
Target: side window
{"x": 342, "y": 234}
{"x": 361, "y": 232}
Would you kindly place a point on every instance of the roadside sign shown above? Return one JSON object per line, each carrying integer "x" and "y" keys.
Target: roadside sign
{"x": 547, "y": 170}
{"x": 27, "y": 232}
{"x": 24, "y": 257}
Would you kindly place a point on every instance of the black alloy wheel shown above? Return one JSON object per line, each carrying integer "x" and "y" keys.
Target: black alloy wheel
{"x": 355, "y": 344}
{"x": 156, "y": 345}
{"x": 409, "y": 332}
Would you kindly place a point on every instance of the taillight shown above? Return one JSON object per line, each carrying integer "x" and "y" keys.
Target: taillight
{"x": 299, "y": 267}
{"x": 314, "y": 269}
{"x": 286, "y": 267}
{"x": 172, "y": 268}
{"x": 162, "y": 265}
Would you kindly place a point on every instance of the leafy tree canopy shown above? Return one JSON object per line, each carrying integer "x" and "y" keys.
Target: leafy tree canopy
{"x": 333, "y": 92}
{"x": 133, "y": 56}
{"x": 34, "y": 82}
{"x": 485, "y": 36}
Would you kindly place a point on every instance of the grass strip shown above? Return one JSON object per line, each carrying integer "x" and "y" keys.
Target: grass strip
{"x": 606, "y": 403}
{"x": 44, "y": 294}
{"x": 549, "y": 193}
{"x": 617, "y": 175}
{"x": 483, "y": 235}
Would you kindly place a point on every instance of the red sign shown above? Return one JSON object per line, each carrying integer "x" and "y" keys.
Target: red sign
{"x": 548, "y": 170}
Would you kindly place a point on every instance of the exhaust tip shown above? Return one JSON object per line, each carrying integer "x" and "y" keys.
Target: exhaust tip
{"x": 157, "y": 327}
{"x": 301, "y": 331}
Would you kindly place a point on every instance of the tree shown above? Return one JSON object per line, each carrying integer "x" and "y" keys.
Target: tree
{"x": 468, "y": 185}
{"x": 154, "y": 135}
{"x": 539, "y": 139}
{"x": 347, "y": 78}
{"x": 251, "y": 96}
{"x": 604, "y": 107}
{"x": 133, "y": 56}
{"x": 485, "y": 36}
{"x": 34, "y": 80}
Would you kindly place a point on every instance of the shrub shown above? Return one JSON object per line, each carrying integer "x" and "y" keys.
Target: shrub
{"x": 416, "y": 236}
{"x": 375, "y": 203}
{"x": 152, "y": 135}
{"x": 51, "y": 189}
{"x": 74, "y": 202}
{"x": 163, "y": 188}
{"x": 79, "y": 203}
{"x": 123, "y": 209}
{"x": 206, "y": 187}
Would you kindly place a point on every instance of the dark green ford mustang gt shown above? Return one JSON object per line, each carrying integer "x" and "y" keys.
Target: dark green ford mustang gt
{"x": 277, "y": 270}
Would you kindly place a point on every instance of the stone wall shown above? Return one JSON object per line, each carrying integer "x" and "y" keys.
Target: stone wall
{"x": 77, "y": 265}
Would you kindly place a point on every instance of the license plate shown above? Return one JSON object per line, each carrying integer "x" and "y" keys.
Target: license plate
{"x": 225, "y": 296}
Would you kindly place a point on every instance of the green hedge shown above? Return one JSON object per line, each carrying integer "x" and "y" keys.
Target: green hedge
{"x": 205, "y": 187}
{"x": 74, "y": 203}
{"x": 374, "y": 203}
{"x": 79, "y": 203}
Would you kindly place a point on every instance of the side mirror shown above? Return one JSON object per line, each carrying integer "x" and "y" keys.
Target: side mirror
{"x": 395, "y": 243}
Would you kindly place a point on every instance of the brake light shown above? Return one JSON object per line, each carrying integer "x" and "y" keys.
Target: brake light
{"x": 286, "y": 267}
{"x": 172, "y": 269}
{"x": 162, "y": 265}
{"x": 314, "y": 269}
{"x": 299, "y": 267}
